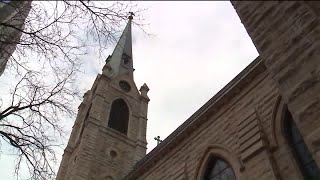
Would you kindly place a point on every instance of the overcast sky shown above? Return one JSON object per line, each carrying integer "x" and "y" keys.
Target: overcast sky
{"x": 197, "y": 48}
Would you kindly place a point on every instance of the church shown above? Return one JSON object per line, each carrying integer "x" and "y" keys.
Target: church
{"x": 264, "y": 124}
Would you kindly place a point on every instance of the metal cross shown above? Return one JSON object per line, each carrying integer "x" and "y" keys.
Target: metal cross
{"x": 131, "y": 14}
{"x": 158, "y": 140}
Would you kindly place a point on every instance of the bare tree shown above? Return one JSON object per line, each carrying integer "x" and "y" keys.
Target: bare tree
{"x": 31, "y": 123}
{"x": 65, "y": 28}
{"x": 44, "y": 65}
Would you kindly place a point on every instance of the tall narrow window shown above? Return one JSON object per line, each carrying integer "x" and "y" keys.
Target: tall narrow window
{"x": 308, "y": 166}
{"x": 218, "y": 169}
{"x": 119, "y": 116}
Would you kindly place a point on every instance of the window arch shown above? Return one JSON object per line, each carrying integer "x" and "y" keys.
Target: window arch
{"x": 218, "y": 169}
{"x": 303, "y": 156}
{"x": 119, "y": 116}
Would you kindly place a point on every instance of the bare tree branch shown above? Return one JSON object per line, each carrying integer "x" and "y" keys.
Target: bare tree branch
{"x": 45, "y": 64}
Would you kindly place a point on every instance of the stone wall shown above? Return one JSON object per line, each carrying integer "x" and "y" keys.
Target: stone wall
{"x": 287, "y": 37}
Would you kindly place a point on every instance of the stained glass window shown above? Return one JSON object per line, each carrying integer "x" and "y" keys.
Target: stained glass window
{"x": 308, "y": 166}
{"x": 218, "y": 169}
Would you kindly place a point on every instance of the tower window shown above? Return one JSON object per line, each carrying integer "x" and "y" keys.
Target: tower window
{"x": 126, "y": 58}
{"x": 308, "y": 166}
{"x": 119, "y": 116}
{"x": 218, "y": 169}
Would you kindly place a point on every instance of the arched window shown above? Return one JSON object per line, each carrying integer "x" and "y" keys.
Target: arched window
{"x": 308, "y": 166}
{"x": 119, "y": 116}
{"x": 218, "y": 169}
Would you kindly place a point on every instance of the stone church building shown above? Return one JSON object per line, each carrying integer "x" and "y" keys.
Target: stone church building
{"x": 264, "y": 124}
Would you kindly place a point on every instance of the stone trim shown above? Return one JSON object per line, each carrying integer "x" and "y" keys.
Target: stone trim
{"x": 276, "y": 124}
{"x": 118, "y": 135}
{"x": 218, "y": 150}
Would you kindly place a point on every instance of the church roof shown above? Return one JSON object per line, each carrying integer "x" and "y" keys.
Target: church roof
{"x": 121, "y": 59}
{"x": 227, "y": 92}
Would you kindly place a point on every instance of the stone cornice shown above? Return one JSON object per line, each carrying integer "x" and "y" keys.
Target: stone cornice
{"x": 216, "y": 102}
{"x": 118, "y": 135}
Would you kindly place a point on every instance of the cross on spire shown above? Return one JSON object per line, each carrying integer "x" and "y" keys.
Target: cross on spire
{"x": 158, "y": 140}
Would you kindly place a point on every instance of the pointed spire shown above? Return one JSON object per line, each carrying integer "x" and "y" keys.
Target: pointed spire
{"x": 121, "y": 59}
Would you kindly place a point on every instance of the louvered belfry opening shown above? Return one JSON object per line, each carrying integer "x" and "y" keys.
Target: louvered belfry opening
{"x": 119, "y": 116}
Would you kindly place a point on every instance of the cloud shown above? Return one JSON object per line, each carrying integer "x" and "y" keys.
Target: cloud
{"x": 198, "y": 48}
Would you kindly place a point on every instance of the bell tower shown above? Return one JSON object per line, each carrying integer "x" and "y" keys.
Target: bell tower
{"x": 109, "y": 133}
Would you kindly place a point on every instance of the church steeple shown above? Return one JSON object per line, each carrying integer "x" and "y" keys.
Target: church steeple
{"x": 120, "y": 62}
{"x": 109, "y": 133}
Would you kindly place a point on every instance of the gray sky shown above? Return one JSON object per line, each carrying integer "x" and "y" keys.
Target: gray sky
{"x": 197, "y": 49}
